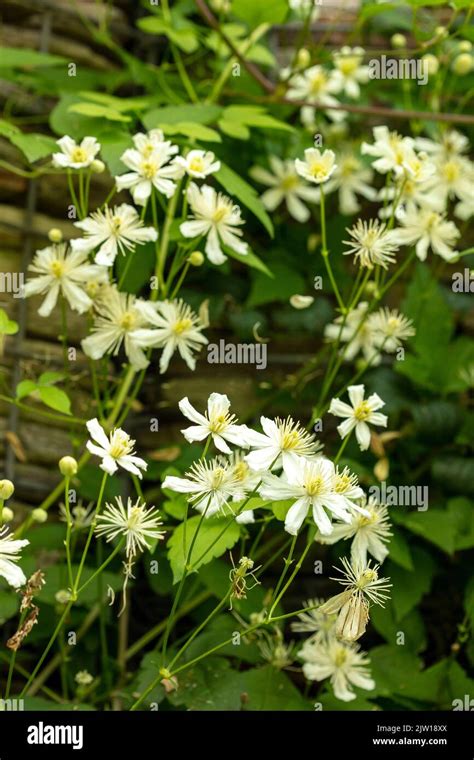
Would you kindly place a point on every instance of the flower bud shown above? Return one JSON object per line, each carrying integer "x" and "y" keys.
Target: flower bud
{"x": 465, "y": 46}
{"x": 6, "y": 489}
{"x": 97, "y": 166}
{"x": 352, "y": 619}
{"x": 462, "y": 64}
{"x": 68, "y": 466}
{"x": 55, "y": 235}
{"x": 7, "y": 514}
{"x": 39, "y": 515}
{"x": 430, "y": 64}
{"x": 301, "y": 302}
{"x": 303, "y": 59}
{"x": 441, "y": 32}
{"x": 196, "y": 258}
{"x": 83, "y": 678}
{"x": 62, "y": 596}
{"x": 398, "y": 40}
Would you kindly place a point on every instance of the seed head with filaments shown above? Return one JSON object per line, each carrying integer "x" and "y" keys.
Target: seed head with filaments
{"x": 134, "y": 521}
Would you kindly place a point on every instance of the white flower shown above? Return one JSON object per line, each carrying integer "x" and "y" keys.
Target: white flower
{"x": 118, "y": 321}
{"x": 114, "y": 230}
{"x": 390, "y": 329}
{"x": 391, "y": 150}
{"x": 311, "y": 484}
{"x": 150, "y": 169}
{"x": 115, "y": 450}
{"x": 148, "y": 143}
{"x": 9, "y": 554}
{"x": 356, "y": 332}
{"x": 345, "y": 484}
{"x": 358, "y": 416}
{"x": 285, "y": 185}
{"x": 315, "y": 86}
{"x": 351, "y": 178}
{"x": 279, "y": 444}
{"x": 74, "y": 156}
{"x": 178, "y": 328}
{"x": 83, "y": 678}
{"x": 349, "y": 70}
{"x": 342, "y": 663}
{"x": 198, "y": 163}
{"x": 313, "y": 621}
{"x": 411, "y": 190}
{"x": 452, "y": 143}
{"x": 211, "y": 485}
{"x": 370, "y": 532}
{"x": 428, "y": 229}
{"x": 60, "y": 271}
{"x": 301, "y": 302}
{"x": 317, "y": 167}
{"x": 363, "y": 587}
{"x": 135, "y": 522}
{"x": 217, "y": 423}
{"x": 372, "y": 244}
{"x": 246, "y": 481}
{"x": 217, "y": 217}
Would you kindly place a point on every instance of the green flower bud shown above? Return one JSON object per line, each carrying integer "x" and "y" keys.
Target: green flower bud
{"x": 6, "y": 489}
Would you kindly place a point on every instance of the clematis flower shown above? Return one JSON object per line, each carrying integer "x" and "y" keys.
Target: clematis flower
{"x": 358, "y": 416}
{"x": 217, "y": 423}
{"x": 74, "y": 156}
{"x": 9, "y": 555}
{"x": 115, "y": 450}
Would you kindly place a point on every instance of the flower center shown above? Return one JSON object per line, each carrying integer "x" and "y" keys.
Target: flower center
{"x": 451, "y": 171}
{"x": 342, "y": 483}
{"x": 318, "y": 170}
{"x": 220, "y": 214}
{"x": 290, "y": 439}
{"x": 348, "y": 64}
{"x": 182, "y": 326}
{"x": 134, "y": 518}
{"x": 317, "y": 83}
{"x": 290, "y": 182}
{"x": 363, "y": 411}
{"x": 115, "y": 224}
{"x": 128, "y": 320}
{"x": 240, "y": 471}
{"x": 148, "y": 169}
{"x": 218, "y": 477}
{"x": 367, "y": 577}
{"x": 340, "y": 658}
{"x": 314, "y": 486}
{"x": 219, "y": 423}
{"x": 78, "y": 155}
{"x": 57, "y": 268}
{"x": 120, "y": 444}
{"x": 196, "y": 164}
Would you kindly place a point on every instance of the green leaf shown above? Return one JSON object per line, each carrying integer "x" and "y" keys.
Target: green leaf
{"x": 250, "y": 259}
{"x": 55, "y": 398}
{"x": 266, "y": 688}
{"x": 117, "y": 104}
{"x": 408, "y": 587}
{"x": 411, "y": 626}
{"x": 235, "y": 185}
{"x": 25, "y": 388}
{"x": 34, "y": 146}
{"x": 393, "y": 668}
{"x": 256, "y": 13}
{"x": 186, "y": 39}
{"x": 434, "y": 525}
{"x": 9, "y": 604}
{"x": 399, "y": 550}
{"x": 454, "y": 474}
{"x": 189, "y": 129}
{"x": 286, "y": 283}
{"x": 232, "y": 129}
{"x": 22, "y": 58}
{"x": 7, "y": 326}
{"x": 461, "y": 511}
{"x": 211, "y": 530}
{"x": 50, "y": 378}
{"x": 96, "y": 111}
{"x": 7, "y": 129}
{"x": 196, "y": 114}
{"x": 254, "y": 116}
